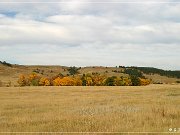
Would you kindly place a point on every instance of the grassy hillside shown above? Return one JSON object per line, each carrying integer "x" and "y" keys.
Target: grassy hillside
{"x": 9, "y": 73}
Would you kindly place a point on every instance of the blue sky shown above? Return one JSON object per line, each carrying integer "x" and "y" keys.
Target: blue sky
{"x": 88, "y": 33}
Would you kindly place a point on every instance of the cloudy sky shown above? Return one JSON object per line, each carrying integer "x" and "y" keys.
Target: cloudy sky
{"x": 87, "y": 33}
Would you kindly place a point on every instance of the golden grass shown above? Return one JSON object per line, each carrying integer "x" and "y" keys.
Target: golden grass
{"x": 154, "y": 108}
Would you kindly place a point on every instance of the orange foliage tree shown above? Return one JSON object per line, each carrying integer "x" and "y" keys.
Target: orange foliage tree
{"x": 22, "y": 81}
{"x": 66, "y": 81}
{"x": 34, "y": 79}
{"x": 144, "y": 82}
{"x": 77, "y": 81}
{"x": 44, "y": 82}
{"x": 98, "y": 80}
{"x": 86, "y": 80}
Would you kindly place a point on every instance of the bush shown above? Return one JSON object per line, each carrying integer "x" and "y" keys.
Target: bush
{"x": 135, "y": 81}
{"x": 44, "y": 82}
{"x": 22, "y": 81}
{"x": 34, "y": 82}
{"x": 83, "y": 80}
{"x": 144, "y": 82}
{"x": 110, "y": 81}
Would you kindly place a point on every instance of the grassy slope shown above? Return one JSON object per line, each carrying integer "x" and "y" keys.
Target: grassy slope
{"x": 12, "y": 73}
{"x": 149, "y": 108}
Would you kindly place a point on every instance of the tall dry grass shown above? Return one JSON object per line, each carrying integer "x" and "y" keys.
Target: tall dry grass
{"x": 154, "y": 108}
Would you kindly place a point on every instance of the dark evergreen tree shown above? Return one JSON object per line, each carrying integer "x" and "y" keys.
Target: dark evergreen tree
{"x": 135, "y": 81}
{"x": 110, "y": 81}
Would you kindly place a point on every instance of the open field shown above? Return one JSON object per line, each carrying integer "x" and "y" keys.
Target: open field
{"x": 90, "y": 109}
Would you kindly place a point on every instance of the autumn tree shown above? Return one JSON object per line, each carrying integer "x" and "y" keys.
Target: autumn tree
{"x": 89, "y": 80}
{"x": 22, "y": 81}
{"x": 144, "y": 82}
{"x": 98, "y": 80}
{"x": 77, "y": 81}
{"x": 34, "y": 79}
{"x": 66, "y": 81}
{"x": 119, "y": 81}
{"x": 57, "y": 81}
{"x": 83, "y": 79}
{"x": 44, "y": 82}
{"x": 127, "y": 81}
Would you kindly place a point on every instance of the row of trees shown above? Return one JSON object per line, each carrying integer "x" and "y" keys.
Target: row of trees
{"x": 6, "y": 63}
{"x": 151, "y": 70}
{"x": 85, "y": 80}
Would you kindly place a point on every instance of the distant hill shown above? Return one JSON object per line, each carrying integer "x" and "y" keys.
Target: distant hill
{"x": 5, "y": 63}
{"x": 151, "y": 70}
{"x": 9, "y": 73}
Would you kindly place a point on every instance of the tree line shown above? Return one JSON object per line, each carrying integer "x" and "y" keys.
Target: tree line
{"x": 151, "y": 70}
{"x": 84, "y": 80}
{"x": 6, "y": 63}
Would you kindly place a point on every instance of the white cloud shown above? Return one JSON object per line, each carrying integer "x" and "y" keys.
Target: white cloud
{"x": 91, "y": 34}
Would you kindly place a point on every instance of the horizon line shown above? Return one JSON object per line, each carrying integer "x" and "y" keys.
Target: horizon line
{"x": 126, "y": 66}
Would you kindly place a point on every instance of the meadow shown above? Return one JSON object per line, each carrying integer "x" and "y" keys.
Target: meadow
{"x": 152, "y": 108}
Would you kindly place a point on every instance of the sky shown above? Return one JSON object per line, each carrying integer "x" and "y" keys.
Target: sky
{"x": 91, "y": 33}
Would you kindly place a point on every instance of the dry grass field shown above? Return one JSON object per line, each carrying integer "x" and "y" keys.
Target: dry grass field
{"x": 153, "y": 108}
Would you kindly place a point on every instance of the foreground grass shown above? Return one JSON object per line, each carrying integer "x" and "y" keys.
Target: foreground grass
{"x": 153, "y": 108}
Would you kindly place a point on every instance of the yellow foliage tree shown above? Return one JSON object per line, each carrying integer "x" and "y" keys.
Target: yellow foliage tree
{"x": 44, "y": 82}
{"x": 118, "y": 81}
{"x": 144, "y": 82}
{"x": 89, "y": 81}
{"x": 77, "y": 81}
{"x": 98, "y": 80}
{"x": 33, "y": 76}
{"x": 33, "y": 79}
{"x": 65, "y": 81}
{"x": 127, "y": 81}
{"x": 22, "y": 81}
{"x": 57, "y": 81}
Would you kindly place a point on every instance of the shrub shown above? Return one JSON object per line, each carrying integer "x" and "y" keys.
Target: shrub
{"x": 144, "y": 82}
{"x": 119, "y": 82}
{"x": 83, "y": 79}
{"x": 177, "y": 81}
{"x": 22, "y": 81}
{"x": 135, "y": 81}
{"x": 66, "y": 81}
{"x": 34, "y": 82}
{"x": 44, "y": 82}
{"x": 34, "y": 79}
{"x": 98, "y": 80}
{"x": 77, "y": 81}
{"x": 110, "y": 81}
